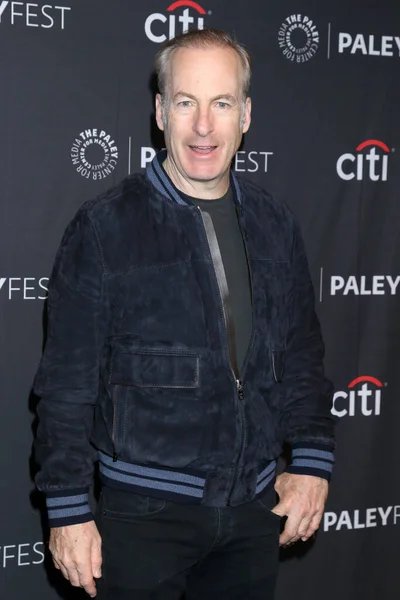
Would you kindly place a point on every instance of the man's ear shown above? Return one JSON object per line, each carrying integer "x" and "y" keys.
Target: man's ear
{"x": 159, "y": 112}
{"x": 247, "y": 115}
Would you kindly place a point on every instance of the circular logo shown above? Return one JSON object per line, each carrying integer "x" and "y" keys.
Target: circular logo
{"x": 94, "y": 153}
{"x": 298, "y": 38}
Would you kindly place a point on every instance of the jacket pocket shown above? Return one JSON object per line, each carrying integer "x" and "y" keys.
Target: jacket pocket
{"x": 277, "y": 359}
{"x": 152, "y": 367}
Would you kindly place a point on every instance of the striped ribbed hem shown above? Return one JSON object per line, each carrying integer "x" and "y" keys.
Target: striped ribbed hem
{"x": 312, "y": 459}
{"x": 68, "y": 507}
{"x": 170, "y": 484}
{"x": 266, "y": 477}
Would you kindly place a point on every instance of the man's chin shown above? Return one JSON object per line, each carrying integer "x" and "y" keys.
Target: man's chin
{"x": 196, "y": 176}
{"x": 204, "y": 172}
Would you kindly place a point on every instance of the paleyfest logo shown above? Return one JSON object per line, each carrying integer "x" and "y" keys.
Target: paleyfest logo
{"x": 370, "y": 45}
{"x": 94, "y": 153}
{"x": 29, "y": 14}
{"x": 377, "y": 516}
{"x": 192, "y": 15}
{"x": 362, "y": 285}
{"x": 22, "y": 555}
{"x": 24, "y": 288}
{"x": 243, "y": 161}
{"x": 298, "y": 38}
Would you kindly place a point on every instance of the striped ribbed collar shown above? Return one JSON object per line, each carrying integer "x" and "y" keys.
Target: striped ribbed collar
{"x": 156, "y": 173}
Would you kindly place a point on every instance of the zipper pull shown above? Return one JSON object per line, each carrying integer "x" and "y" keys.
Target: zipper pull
{"x": 115, "y": 457}
{"x": 239, "y": 386}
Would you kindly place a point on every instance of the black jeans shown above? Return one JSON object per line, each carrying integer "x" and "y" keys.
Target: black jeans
{"x": 159, "y": 550}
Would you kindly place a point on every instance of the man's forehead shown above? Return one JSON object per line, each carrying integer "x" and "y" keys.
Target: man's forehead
{"x": 192, "y": 57}
{"x": 213, "y": 63}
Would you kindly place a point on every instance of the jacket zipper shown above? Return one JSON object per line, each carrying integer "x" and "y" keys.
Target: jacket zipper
{"x": 115, "y": 403}
{"x": 240, "y": 385}
{"x": 250, "y": 346}
{"x": 238, "y": 381}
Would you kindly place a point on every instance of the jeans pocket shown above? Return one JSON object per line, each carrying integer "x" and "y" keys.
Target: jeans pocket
{"x": 266, "y": 502}
{"x": 268, "y": 511}
{"x": 128, "y": 506}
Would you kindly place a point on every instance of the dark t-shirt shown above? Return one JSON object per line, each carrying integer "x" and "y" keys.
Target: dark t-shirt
{"x": 225, "y": 221}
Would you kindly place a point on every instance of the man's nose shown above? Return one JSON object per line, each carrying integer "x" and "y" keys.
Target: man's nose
{"x": 203, "y": 122}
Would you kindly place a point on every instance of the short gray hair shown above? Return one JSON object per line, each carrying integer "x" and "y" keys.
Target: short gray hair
{"x": 204, "y": 39}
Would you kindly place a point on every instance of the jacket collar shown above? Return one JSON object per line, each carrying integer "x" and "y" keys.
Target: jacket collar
{"x": 156, "y": 173}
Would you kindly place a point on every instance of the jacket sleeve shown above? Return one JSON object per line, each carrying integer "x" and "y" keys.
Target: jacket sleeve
{"x": 67, "y": 380}
{"x": 306, "y": 394}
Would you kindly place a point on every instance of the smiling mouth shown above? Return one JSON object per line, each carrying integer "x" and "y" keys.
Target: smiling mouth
{"x": 202, "y": 149}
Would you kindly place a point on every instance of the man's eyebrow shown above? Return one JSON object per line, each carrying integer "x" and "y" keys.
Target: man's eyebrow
{"x": 180, "y": 93}
{"x": 227, "y": 96}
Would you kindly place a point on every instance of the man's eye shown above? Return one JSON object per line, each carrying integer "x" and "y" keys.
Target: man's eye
{"x": 222, "y": 104}
{"x": 185, "y": 103}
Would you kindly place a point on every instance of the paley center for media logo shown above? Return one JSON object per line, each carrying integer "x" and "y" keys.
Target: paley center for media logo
{"x": 94, "y": 153}
{"x": 181, "y": 16}
{"x": 298, "y": 38}
{"x": 362, "y": 398}
{"x": 30, "y": 14}
{"x": 24, "y": 288}
{"x": 371, "y": 164}
{"x": 243, "y": 162}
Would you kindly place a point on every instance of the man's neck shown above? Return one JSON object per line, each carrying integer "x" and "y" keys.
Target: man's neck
{"x": 205, "y": 190}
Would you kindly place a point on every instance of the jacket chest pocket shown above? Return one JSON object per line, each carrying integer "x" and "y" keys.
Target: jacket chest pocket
{"x": 277, "y": 363}
{"x": 152, "y": 367}
{"x": 277, "y": 294}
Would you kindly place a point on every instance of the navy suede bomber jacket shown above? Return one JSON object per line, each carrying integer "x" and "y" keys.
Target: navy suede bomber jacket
{"x": 136, "y": 372}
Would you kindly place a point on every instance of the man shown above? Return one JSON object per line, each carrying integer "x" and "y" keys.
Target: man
{"x": 183, "y": 350}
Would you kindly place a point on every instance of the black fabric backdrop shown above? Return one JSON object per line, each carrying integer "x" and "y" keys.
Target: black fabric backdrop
{"x": 76, "y": 116}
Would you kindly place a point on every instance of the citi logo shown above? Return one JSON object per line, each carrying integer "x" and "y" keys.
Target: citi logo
{"x": 373, "y": 164}
{"x": 363, "y": 398}
{"x": 176, "y": 24}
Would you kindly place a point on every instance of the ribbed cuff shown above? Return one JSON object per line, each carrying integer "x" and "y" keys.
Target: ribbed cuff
{"x": 312, "y": 459}
{"x": 68, "y": 507}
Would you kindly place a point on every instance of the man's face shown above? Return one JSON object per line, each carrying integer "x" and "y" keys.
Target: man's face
{"x": 203, "y": 113}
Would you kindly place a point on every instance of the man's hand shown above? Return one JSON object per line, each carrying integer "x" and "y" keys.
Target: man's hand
{"x": 76, "y": 550}
{"x": 302, "y": 499}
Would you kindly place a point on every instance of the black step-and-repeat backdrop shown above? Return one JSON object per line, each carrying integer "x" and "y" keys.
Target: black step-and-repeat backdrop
{"x": 76, "y": 116}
